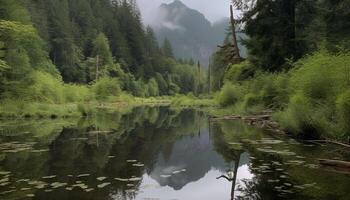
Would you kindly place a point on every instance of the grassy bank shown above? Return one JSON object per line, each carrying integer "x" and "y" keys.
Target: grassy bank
{"x": 310, "y": 101}
{"x": 30, "y": 109}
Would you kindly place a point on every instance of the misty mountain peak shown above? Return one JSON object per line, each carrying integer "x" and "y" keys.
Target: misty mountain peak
{"x": 177, "y": 3}
{"x": 189, "y": 31}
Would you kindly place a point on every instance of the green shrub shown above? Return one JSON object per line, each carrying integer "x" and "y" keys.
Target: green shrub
{"x": 44, "y": 88}
{"x": 239, "y": 72}
{"x": 343, "y": 112}
{"x": 229, "y": 94}
{"x": 153, "y": 89}
{"x": 105, "y": 88}
{"x": 76, "y": 93}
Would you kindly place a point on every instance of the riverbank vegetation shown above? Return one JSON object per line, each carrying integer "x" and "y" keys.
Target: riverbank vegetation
{"x": 303, "y": 75}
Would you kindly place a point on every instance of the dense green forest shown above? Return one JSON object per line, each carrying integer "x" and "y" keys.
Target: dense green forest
{"x": 62, "y": 51}
{"x": 297, "y": 65}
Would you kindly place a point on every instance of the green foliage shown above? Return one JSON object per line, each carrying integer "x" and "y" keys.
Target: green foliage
{"x": 322, "y": 79}
{"x": 343, "y": 111}
{"x": 167, "y": 49}
{"x": 229, "y": 94}
{"x": 45, "y": 88}
{"x": 76, "y": 93}
{"x": 190, "y": 100}
{"x": 22, "y": 109}
{"x": 312, "y": 99}
{"x": 239, "y": 72}
{"x": 105, "y": 88}
{"x": 153, "y": 89}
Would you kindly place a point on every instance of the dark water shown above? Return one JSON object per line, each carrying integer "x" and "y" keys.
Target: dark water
{"x": 159, "y": 153}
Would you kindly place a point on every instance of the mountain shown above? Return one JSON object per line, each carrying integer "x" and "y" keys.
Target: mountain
{"x": 190, "y": 33}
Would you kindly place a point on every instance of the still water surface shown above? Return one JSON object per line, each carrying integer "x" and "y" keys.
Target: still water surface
{"x": 159, "y": 153}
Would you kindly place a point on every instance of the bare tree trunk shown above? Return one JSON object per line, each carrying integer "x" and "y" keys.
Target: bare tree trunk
{"x": 237, "y": 55}
{"x": 233, "y": 187}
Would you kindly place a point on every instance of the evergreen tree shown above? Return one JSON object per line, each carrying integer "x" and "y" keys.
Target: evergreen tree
{"x": 167, "y": 49}
{"x": 64, "y": 53}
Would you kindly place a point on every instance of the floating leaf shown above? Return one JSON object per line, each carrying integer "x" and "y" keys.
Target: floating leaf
{"x": 5, "y": 183}
{"x": 49, "y": 177}
{"x": 138, "y": 165}
{"x": 7, "y": 192}
{"x": 103, "y": 185}
{"x": 40, "y": 150}
{"x": 101, "y": 178}
{"x": 4, "y": 173}
{"x": 4, "y": 180}
{"x": 135, "y": 179}
{"x": 82, "y": 175}
{"x": 89, "y": 190}
{"x": 122, "y": 179}
{"x": 58, "y": 184}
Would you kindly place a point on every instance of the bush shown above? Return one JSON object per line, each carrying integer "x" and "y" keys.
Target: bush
{"x": 105, "y": 88}
{"x": 44, "y": 88}
{"x": 76, "y": 93}
{"x": 239, "y": 72}
{"x": 343, "y": 112}
{"x": 229, "y": 94}
{"x": 153, "y": 89}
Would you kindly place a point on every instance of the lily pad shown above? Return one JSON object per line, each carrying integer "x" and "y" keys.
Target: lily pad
{"x": 138, "y": 165}
{"x": 58, "y": 184}
{"x": 103, "y": 185}
{"x": 49, "y": 177}
{"x": 82, "y": 175}
{"x": 4, "y": 173}
{"x": 89, "y": 190}
{"x": 101, "y": 178}
{"x": 122, "y": 179}
{"x": 135, "y": 179}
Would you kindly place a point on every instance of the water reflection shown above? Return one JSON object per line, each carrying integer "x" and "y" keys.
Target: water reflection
{"x": 155, "y": 153}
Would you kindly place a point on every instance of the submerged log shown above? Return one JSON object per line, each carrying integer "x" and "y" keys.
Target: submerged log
{"x": 335, "y": 163}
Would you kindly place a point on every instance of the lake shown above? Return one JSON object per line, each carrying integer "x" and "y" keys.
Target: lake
{"x": 149, "y": 153}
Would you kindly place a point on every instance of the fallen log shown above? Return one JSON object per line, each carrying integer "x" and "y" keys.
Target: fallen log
{"x": 331, "y": 142}
{"x": 335, "y": 163}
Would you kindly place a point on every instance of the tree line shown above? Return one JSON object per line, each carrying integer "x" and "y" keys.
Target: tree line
{"x": 84, "y": 42}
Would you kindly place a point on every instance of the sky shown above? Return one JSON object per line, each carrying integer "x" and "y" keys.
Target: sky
{"x": 213, "y": 10}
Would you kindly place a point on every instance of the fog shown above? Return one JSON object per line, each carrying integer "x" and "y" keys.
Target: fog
{"x": 213, "y": 10}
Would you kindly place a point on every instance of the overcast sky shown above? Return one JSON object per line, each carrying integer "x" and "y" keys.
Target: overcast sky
{"x": 213, "y": 9}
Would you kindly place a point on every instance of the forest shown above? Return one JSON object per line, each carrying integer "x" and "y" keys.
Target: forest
{"x": 73, "y": 53}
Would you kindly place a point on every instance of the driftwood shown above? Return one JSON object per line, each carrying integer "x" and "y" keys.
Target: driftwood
{"x": 331, "y": 142}
{"x": 335, "y": 163}
{"x": 261, "y": 121}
